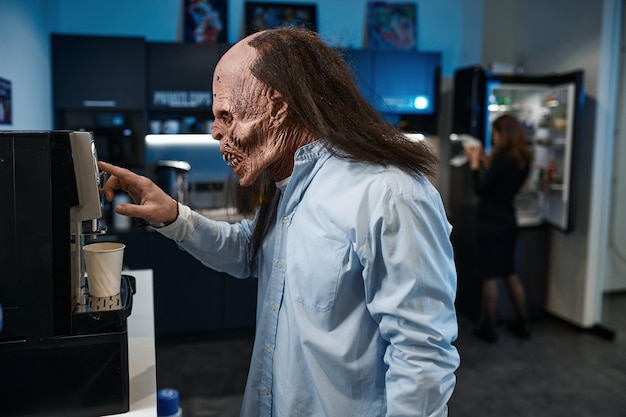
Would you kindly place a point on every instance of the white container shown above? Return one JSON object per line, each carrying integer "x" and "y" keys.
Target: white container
{"x": 104, "y": 262}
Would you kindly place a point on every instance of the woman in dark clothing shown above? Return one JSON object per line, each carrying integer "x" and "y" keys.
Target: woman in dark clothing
{"x": 497, "y": 179}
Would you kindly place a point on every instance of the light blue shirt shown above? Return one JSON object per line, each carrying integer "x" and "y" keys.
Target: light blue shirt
{"x": 356, "y": 288}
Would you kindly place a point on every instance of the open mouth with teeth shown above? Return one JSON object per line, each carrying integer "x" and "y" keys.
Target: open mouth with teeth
{"x": 230, "y": 159}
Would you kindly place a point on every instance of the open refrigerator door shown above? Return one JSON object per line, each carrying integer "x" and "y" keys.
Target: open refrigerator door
{"x": 547, "y": 113}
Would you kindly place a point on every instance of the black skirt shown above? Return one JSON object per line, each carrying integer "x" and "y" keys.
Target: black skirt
{"x": 496, "y": 235}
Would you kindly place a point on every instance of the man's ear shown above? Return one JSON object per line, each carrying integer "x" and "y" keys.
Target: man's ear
{"x": 278, "y": 109}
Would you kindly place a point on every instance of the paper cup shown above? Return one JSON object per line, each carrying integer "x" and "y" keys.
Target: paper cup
{"x": 103, "y": 262}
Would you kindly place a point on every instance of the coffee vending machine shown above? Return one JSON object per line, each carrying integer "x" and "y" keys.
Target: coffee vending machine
{"x": 62, "y": 352}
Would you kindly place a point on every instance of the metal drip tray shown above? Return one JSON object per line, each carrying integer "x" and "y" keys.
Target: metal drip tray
{"x": 95, "y": 304}
{"x": 106, "y": 313}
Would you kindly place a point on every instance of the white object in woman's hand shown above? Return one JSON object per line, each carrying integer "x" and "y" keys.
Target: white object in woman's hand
{"x": 473, "y": 153}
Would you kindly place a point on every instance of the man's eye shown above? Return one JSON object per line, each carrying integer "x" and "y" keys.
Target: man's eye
{"x": 226, "y": 118}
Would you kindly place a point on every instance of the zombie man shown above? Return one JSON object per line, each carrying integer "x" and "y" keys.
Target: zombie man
{"x": 350, "y": 243}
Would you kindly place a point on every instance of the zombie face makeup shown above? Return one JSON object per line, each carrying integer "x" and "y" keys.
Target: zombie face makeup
{"x": 248, "y": 118}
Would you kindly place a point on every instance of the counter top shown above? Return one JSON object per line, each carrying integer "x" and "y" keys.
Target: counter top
{"x": 141, "y": 350}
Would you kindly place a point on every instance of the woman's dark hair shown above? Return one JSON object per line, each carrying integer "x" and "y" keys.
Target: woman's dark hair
{"x": 324, "y": 100}
{"x": 512, "y": 139}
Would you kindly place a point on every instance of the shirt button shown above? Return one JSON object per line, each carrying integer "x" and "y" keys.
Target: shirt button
{"x": 266, "y": 391}
{"x": 268, "y": 349}
{"x": 274, "y": 307}
{"x": 285, "y": 220}
{"x": 279, "y": 264}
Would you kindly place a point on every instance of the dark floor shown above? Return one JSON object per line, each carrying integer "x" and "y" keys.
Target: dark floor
{"x": 561, "y": 371}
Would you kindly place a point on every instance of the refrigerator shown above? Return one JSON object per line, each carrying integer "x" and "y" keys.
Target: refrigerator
{"x": 549, "y": 108}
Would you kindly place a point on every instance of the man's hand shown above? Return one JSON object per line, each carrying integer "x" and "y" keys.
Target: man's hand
{"x": 152, "y": 204}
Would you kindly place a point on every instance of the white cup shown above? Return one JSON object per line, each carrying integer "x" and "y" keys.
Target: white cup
{"x": 103, "y": 262}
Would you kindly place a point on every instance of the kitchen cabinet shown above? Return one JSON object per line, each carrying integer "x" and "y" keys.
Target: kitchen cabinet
{"x": 98, "y": 85}
{"x": 98, "y": 72}
{"x": 402, "y": 85}
{"x": 179, "y": 86}
{"x": 118, "y": 135}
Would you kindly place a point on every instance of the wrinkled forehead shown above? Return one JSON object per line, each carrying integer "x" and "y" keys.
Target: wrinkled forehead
{"x": 234, "y": 66}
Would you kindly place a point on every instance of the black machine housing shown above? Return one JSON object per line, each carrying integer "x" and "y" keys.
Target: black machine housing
{"x": 54, "y": 360}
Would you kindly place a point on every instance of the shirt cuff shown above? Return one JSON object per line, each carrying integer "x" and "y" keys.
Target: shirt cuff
{"x": 182, "y": 227}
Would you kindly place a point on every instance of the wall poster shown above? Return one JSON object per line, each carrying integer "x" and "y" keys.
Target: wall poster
{"x": 391, "y": 26}
{"x": 205, "y": 21}
{"x": 5, "y": 102}
{"x": 261, "y": 16}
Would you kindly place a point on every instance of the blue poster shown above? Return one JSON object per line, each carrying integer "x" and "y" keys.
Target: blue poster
{"x": 391, "y": 26}
{"x": 206, "y": 21}
{"x": 5, "y": 102}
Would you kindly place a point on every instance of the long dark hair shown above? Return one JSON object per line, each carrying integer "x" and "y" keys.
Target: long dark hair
{"x": 512, "y": 140}
{"x": 324, "y": 100}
